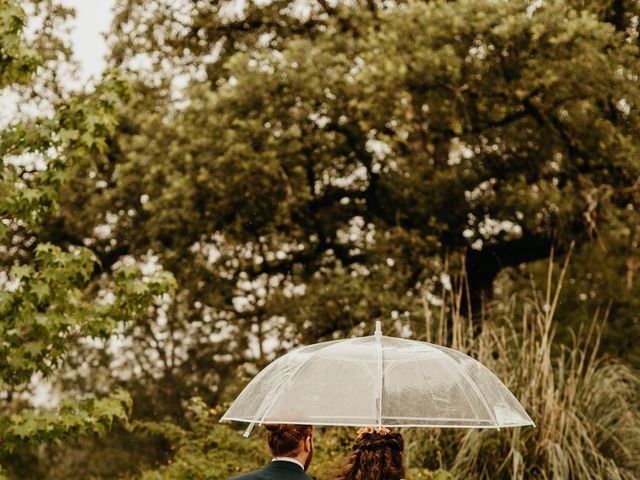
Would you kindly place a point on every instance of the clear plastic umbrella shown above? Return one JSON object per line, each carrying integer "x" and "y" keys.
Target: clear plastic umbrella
{"x": 378, "y": 381}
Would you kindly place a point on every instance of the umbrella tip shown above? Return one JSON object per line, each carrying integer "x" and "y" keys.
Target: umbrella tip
{"x": 378, "y": 327}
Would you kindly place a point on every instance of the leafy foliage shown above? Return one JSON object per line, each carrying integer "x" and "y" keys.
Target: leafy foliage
{"x": 204, "y": 451}
{"x": 90, "y": 416}
{"x": 46, "y": 309}
{"x": 45, "y": 302}
{"x": 16, "y": 62}
{"x": 74, "y": 136}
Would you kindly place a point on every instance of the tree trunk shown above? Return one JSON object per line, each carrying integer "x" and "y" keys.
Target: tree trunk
{"x": 483, "y": 266}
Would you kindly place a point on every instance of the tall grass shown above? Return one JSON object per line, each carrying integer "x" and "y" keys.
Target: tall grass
{"x": 586, "y": 408}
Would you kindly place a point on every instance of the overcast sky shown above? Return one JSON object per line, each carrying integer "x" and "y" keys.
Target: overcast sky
{"x": 93, "y": 19}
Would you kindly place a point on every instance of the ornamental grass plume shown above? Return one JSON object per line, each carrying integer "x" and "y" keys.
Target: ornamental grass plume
{"x": 586, "y": 407}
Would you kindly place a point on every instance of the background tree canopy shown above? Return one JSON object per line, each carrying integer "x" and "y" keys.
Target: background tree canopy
{"x": 304, "y": 168}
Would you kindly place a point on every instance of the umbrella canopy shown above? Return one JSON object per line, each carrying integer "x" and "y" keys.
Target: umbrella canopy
{"x": 378, "y": 380}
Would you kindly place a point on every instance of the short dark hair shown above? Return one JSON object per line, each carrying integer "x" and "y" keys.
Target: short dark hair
{"x": 285, "y": 439}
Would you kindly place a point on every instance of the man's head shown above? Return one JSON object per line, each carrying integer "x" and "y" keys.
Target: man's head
{"x": 293, "y": 441}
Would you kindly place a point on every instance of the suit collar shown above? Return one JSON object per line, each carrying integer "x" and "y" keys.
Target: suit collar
{"x": 294, "y": 461}
{"x": 284, "y": 465}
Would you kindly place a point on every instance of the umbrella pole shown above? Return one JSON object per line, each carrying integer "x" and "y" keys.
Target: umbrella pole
{"x": 378, "y": 335}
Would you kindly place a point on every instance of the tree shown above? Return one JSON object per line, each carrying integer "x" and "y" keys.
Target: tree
{"x": 534, "y": 99}
{"x": 47, "y": 303}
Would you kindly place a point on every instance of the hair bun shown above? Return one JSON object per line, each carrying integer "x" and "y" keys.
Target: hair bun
{"x": 274, "y": 428}
{"x": 374, "y": 440}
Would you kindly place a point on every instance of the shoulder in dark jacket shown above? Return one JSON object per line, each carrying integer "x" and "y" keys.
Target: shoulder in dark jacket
{"x": 277, "y": 470}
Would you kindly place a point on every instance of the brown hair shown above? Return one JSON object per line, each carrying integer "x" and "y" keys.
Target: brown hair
{"x": 375, "y": 457}
{"x": 286, "y": 439}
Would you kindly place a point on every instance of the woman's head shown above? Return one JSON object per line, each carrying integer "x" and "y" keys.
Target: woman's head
{"x": 294, "y": 441}
{"x": 377, "y": 455}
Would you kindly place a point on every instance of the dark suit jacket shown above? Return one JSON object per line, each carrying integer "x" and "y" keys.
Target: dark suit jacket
{"x": 276, "y": 470}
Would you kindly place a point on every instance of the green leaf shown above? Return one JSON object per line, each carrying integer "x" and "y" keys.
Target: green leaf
{"x": 66, "y": 136}
{"x": 20, "y": 272}
{"x": 40, "y": 289}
